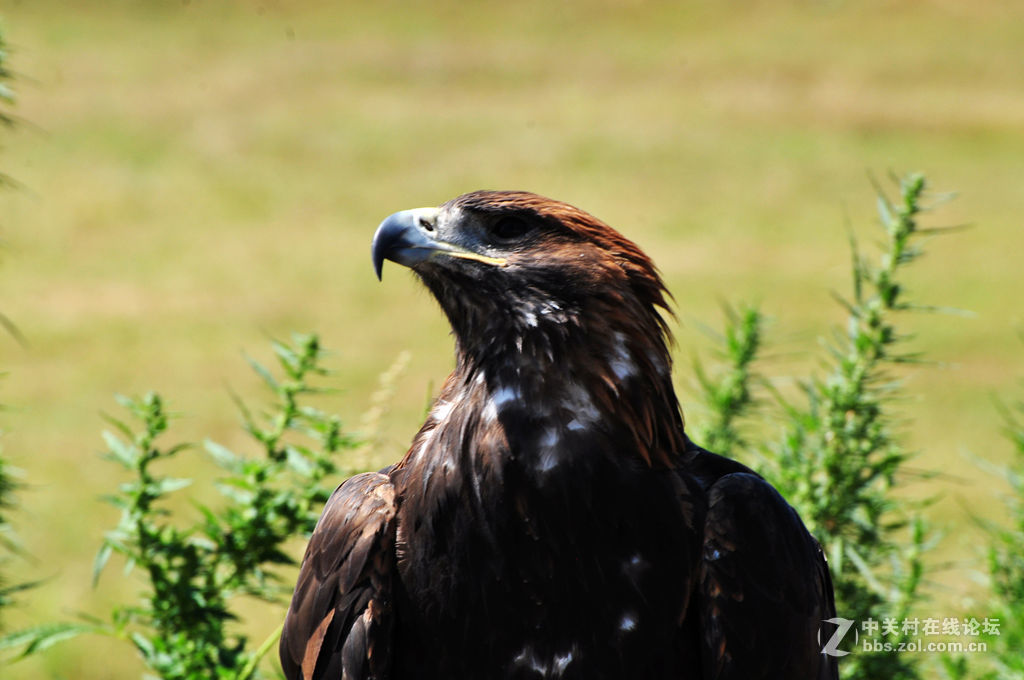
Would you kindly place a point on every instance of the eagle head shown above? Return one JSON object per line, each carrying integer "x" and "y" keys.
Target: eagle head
{"x": 545, "y": 296}
{"x": 508, "y": 265}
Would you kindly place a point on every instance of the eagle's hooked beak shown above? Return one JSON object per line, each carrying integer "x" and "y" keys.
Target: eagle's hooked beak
{"x": 409, "y": 237}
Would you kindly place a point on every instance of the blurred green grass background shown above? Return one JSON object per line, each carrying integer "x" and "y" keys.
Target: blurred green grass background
{"x": 199, "y": 177}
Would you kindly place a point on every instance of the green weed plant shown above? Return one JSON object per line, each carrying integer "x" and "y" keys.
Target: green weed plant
{"x": 195, "y": 570}
{"x": 837, "y": 456}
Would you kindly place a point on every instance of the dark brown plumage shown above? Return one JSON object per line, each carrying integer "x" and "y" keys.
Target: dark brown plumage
{"x": 551, "y": 518}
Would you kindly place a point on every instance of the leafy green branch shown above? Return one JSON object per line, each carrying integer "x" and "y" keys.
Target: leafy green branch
{"x": 728, "y": 394}
{"x": 195, "y": 572}
{"x": 838, "y": 457}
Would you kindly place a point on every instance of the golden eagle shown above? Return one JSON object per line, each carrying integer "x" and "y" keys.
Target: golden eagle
{"x": 551, "y": 518}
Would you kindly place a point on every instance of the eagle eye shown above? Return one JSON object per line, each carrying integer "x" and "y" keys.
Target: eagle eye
{"x": 510, "y": 228}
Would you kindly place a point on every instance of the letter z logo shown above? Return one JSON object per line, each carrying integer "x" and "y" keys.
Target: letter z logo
{"x": 831, "y": 648}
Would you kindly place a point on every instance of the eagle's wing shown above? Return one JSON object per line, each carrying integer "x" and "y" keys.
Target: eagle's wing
{"x": 339, "y": 622}
{"x": 765, "y": 587}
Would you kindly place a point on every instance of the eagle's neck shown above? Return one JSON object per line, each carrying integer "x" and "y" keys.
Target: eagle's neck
{"x": 550, "y": 386}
